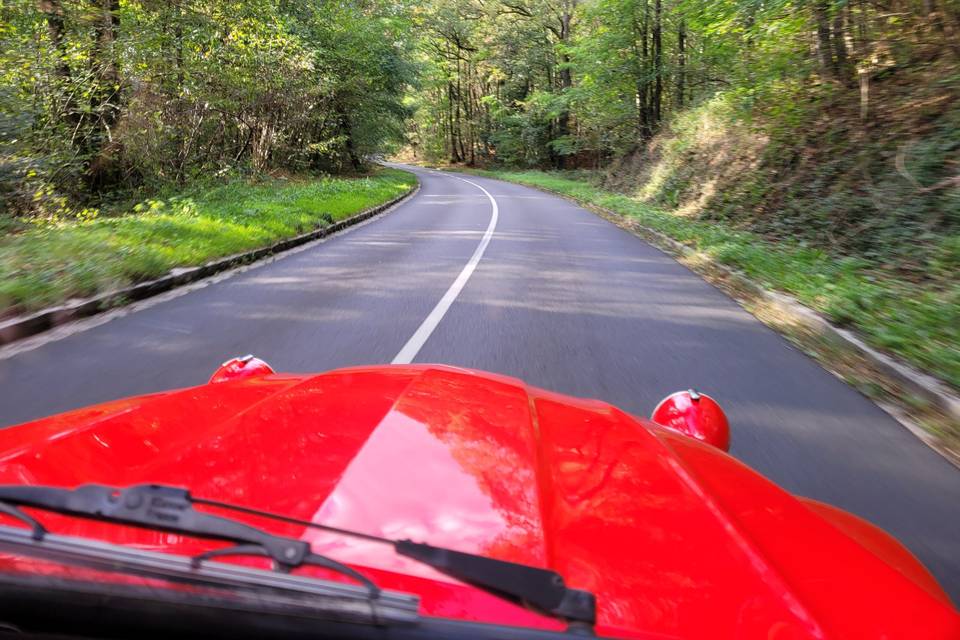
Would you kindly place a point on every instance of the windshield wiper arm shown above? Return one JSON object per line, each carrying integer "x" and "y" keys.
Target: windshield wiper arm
{"x": 171, "y": 509}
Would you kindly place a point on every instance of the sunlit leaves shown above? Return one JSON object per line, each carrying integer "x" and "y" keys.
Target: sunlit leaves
{"x": 187, "y": 88}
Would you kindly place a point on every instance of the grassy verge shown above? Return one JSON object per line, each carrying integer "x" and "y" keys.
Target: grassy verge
{"x": 921, "y": 324}
{"x": 47, "y": 263}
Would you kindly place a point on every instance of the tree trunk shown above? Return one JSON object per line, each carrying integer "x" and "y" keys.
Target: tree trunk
{"x": 681, "y": 61}
{"x": 566, "y": 80}
{"x": 640, "y": 28}
{"x": 102, "y": 58}
{"x": 179, "y": 78}
{"x": 933, "y": 16}
{"x": 104, "y": 99}
{"x": 657, "y": 61}
{"x": 821, "y": 12}
{"x": 461, "y": 153}
{"x": 454, "y": 157}
{"x": 641, "y": 77}
{"x": 355, "y": 160}
{"x": 862, "y": 29}
{"x": 53, "y": 11}
{"x": 840, "y": 66}
{"x": 471, "y": 130}
{"x": 178, "y": 39}
{"x": 56, "y": 27}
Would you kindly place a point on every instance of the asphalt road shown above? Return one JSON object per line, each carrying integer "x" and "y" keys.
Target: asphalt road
{"x": 546, "y": 292}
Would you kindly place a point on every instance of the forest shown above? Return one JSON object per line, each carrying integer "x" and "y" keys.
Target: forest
{"x": 98, "y": 96}
{"x": 577, "y": 83}
{"x": 836, "y": 109}
{"x": 101, "y": 97}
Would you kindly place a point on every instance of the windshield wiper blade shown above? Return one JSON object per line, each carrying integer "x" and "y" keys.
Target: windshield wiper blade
{"x": 171, "y": 509}
{"x": 267, "y": 592}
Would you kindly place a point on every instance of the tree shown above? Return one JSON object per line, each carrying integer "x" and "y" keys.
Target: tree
{"x": 103, "y": 96}
{"x": 592, "y": 79}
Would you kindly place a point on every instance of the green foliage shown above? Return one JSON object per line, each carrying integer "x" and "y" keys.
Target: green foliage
{"x": 97, "y": 99}
{"x": 577, "y": 82}
{"x": 55, "y": 260}
{"x": 492, "y": 82}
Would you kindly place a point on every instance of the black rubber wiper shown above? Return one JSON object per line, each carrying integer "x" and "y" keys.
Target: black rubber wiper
{"x": 171, "y": 509}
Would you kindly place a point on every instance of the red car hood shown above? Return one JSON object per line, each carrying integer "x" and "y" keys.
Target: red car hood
{"x": 674, "y": 537}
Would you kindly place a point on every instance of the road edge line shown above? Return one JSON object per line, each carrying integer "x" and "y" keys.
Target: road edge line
{"x": 25, "y": 326}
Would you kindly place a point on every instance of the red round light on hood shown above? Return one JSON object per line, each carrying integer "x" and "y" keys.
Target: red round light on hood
{"x": 696, "y": 415}
{"x": 242, "y": 367}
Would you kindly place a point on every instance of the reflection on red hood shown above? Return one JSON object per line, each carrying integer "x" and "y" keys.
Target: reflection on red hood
{"x": 675, "y": 538}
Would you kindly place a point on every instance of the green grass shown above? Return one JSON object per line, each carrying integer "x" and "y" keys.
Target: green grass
{"x": 921, "y": 324}
{"x": 50, "y": 262}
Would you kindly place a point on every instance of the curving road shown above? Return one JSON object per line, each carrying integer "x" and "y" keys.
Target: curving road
{"x": 485, "y": 274}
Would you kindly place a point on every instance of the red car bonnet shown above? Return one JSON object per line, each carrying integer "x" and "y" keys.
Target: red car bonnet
{"x": 675, "y": 538}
